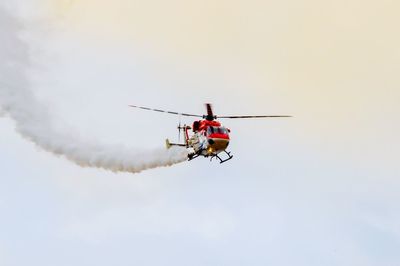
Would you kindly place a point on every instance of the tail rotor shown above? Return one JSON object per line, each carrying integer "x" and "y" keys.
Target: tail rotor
{"x": 179, "y": 132}
{"x": 179, "y": 129}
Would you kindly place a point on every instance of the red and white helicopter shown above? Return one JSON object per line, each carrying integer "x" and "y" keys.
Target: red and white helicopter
{"x": 208, "y": 137}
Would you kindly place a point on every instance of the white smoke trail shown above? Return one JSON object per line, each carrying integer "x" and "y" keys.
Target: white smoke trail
{"x": 34, "y": 123}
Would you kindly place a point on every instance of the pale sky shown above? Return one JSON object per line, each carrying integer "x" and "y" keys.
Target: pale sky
{"x": 318, "y": 189}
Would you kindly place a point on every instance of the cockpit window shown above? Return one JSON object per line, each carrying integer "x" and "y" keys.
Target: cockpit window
{"x": 223, "y": 130}
{"x": 219, "y": 130}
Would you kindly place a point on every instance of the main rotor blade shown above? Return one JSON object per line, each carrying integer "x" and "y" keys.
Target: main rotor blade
{"x": 163, "y": 111}
{"x": 253, "y": 116}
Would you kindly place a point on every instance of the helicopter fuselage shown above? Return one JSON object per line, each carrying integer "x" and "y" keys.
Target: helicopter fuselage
{"x": 207, "y": 139}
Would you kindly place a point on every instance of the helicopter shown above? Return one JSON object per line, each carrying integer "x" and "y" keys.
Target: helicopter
{"x": 208, "y": 137}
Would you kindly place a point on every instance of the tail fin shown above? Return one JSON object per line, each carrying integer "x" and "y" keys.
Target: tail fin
{"x": 167, "y": 143}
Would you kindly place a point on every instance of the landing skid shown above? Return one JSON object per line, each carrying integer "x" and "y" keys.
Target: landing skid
{"x": 193, "y": 156}
{"x": 221, "y": 161}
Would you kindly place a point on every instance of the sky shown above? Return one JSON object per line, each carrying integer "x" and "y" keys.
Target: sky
{"x": 320, "y": 188}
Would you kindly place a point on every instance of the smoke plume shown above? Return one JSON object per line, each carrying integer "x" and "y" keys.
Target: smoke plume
{"x": 34, "y": 123}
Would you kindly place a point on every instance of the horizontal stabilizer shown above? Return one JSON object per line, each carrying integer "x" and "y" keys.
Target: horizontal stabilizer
{"x": 169, "y": 144}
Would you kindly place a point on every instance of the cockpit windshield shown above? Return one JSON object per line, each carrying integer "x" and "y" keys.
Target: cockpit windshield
{"x": 216, "y": 130}
{"x": 223, "y": 130}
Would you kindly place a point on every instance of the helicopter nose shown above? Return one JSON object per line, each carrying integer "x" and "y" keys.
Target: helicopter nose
{"x": 218, "y": 144}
